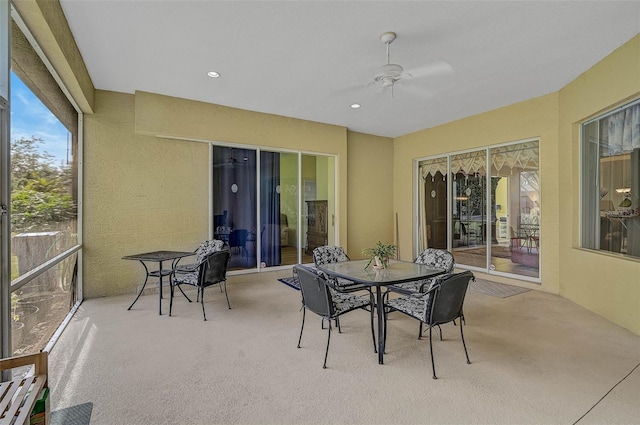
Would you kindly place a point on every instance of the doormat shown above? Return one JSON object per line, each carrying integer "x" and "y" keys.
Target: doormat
{"x": 494, "y": 289}
{"x": 291, "y": 281}
{"x": 75, "y": 415}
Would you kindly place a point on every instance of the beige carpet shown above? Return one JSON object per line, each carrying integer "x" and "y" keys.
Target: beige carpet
{"x": 495, "y": 289}
{"x": 536, "y": 359}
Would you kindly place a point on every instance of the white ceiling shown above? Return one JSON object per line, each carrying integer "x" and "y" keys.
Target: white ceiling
{"x": 312, "y": 59}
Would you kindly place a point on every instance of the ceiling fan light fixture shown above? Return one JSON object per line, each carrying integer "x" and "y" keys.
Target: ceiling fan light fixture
{"x": 355, "y": 105}
{"x": 213, "y": 74}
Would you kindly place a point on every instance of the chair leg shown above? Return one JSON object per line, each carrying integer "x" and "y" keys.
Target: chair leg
{"x": 464, "y": 345}
{"x": 185, "y": 295}
{"x": 420, "y": 331}
{"x": 373, "y": 333}
{"x": 304, "y": 310}
{"x": 433, "y": 364}
{"x": 202, "y": 302}
{"x": 142, "y": 289}
{"x": 440, "y": 329}
{"x": 171, "y": 284}
{"x": 224, "y": 282}
{"x": 326, "y": 353}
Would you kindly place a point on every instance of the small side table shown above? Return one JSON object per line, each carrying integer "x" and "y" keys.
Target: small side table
{"x": 157, "y": 257}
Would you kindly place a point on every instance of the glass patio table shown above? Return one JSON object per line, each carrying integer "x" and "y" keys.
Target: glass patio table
{"x": 157, "y": 257}
{"x": 397, "y": 272}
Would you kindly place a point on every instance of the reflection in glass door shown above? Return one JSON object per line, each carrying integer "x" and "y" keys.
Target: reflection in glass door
{"x": 234, "y": 204}
{"x": 517, "y": 206}
{"x": 318, "y": 196}
{"x": 287, "y": 231}
{"x": 432, "y": 191}
{"x": 278, "y": 208}
{"x": 469, "y": 212}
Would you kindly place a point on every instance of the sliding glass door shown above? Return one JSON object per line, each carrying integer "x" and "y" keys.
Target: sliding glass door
{"x": 488, "y": 220}
{"x": 272, "y": 208}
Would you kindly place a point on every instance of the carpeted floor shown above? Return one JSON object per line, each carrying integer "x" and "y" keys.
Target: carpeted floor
{"x": 536, "y": 359}
{"x": 495, "y": 289}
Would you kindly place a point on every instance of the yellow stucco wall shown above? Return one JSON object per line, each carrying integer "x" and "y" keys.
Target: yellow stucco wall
{"x": 606, "y": 284}
{"x": 140, "y": 194}
{"x": 370, "y": 181}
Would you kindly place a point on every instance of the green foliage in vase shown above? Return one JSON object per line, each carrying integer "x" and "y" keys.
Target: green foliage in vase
{"x": 382, "y": 251}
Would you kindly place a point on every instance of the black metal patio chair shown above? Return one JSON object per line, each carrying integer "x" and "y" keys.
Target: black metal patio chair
{"x": 329, "y": 305}
{"x": 210, "y": 271}
{"x": 439, "y": 305}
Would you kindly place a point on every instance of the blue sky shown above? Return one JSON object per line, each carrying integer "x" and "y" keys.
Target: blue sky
{"x": 29, "y": 117}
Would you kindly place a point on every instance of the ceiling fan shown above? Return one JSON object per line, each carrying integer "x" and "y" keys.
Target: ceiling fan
{"x": 390, "y": 74}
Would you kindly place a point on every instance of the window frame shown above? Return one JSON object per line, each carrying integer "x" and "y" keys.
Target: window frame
{"x": 589, "y": 229}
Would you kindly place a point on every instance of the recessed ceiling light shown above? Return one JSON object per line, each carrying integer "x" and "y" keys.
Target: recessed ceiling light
{"x": 355, "y": 106}
{"x": 213, "y": 74}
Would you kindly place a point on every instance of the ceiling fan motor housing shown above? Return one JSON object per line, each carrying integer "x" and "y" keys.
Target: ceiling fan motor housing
{"x": 388, "y": 74}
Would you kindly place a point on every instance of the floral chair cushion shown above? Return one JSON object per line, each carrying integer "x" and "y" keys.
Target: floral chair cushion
{"x": 329, "y": 254}
{"x": 205, "y": 248}
{"x": 436, "y": 258}
{"x": 333, "y": 254}
{"x": 346, "y": 302}
{"x": 413, "y": 305}
{"x": 432, "y": 257}
{"x": 185, "y": 278}
{"x": 418, "y": 305}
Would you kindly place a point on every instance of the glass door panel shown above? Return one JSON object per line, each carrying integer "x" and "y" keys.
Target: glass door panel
{"x": 278, "y": 208}
{"x": 469, "y": 218}
{"x": 289, "y": 199}
{"x": 432, "y": 217}
{"x": 318, "y": 206}
{"x": 234, "y": 204}
{"x": 516, "y": 202}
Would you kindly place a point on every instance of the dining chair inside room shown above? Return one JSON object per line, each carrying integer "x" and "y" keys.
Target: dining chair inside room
{"x": 441, "y": 304}
{"x": 238, "y": 239}
{"x": 329, "y": 305}
{"x": 212, "y": 270}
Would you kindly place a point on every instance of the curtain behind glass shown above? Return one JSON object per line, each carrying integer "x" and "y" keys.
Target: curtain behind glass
{"x": 270, "y": 207}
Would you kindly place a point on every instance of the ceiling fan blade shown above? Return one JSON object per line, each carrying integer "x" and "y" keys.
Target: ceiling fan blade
{"x": 412, "y": 89}
{"x": 432, "y": 69}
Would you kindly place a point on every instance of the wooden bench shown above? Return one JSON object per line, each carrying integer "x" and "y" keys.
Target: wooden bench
{"x": 19, "y": 396}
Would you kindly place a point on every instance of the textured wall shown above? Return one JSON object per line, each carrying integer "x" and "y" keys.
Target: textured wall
{"x": 605, "y": 284}
{"x": 370, "y": 181}
{"x": 140, "y": 194}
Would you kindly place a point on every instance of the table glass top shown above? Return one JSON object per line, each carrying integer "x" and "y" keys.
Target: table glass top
{"x": 396, "y": 272}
